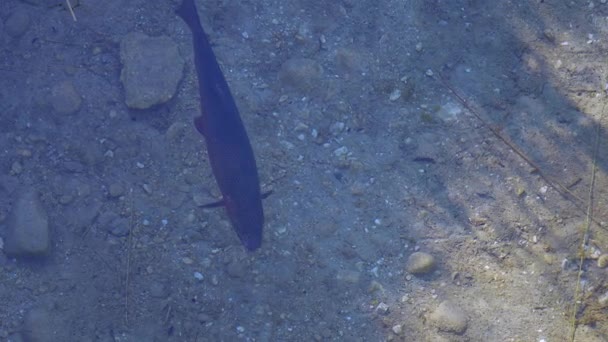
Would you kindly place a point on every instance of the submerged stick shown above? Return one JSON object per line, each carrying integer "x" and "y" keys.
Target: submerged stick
{"x": 70, "y": 9}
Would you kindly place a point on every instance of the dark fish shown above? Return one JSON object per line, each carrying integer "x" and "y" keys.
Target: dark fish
{"x": 230, "y": 152}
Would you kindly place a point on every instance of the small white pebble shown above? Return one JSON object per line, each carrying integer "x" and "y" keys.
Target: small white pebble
{"x": 429, "y": 72}
{"x": 240, "y": 329}
{"x": 198, "y": 275}
{"x": 147, "y": 188}
{"x": 395, "y": 95}
{"x": 341, "y": 151}
{"x": 140, "y": 165}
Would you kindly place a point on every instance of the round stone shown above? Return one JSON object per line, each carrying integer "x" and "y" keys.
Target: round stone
{"x": 420, "y": 263}
{"x": 449, "y": 317}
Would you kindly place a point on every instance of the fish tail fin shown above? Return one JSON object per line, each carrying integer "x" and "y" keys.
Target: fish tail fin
{"x": 187, "y": 11}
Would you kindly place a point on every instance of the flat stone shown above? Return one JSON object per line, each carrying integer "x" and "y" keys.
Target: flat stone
{"x": 152, "y": 69}
{"x": 28, "y": 233}
{"x": 38, "y": 326}
{"x": 64, "y": 98}
{"x": 116, "y": 190}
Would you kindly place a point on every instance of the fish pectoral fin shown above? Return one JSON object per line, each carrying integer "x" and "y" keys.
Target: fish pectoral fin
{"x": 199, "y": 124}
{"x": 266, "y": 194}
{"x": 222, "y": 202}
{"x": 216, "y": 204}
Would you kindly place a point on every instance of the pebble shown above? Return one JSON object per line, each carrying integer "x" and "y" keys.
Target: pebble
{"x": 395, "y": 95}
{"x": 449, "y": 317}
{"x": 116, "y": 190}
{"x": 450, "y": 111}
{"x": 382, "y": 309}
{"x": 602, "y": 261}
{"x": 158, "y": 290}
{"x": 420, "y": 263}
{"x": 64, "y": 98}
{"x": 301, "y": 73}
{"x": 397, "y": 329}
{"x": 348, "y": 276}
{"x": 17, "y": 23}
{"x": 120, "y": 227}
{"x": 349, "y": 61}
{"x": 236, "y": 269}
{"x": 336, "y": 128}
{"x": 152, "y": 69}
{"x": 341, "y": 152}
{"x": 28, "y": 233}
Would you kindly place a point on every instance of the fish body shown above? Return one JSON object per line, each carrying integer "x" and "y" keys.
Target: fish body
{"x": 230, "y": 153}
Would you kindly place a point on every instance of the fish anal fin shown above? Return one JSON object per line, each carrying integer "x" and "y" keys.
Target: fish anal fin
{"x": 215, "y": 204}
{"x": 199, "y": 124}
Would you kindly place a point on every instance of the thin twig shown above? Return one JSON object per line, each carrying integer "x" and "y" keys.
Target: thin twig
{"x": 129, "y": 246}
{"x": 70, "y": 9}
{"x": 585, "y": 236}
{"x": 578, "y": 202}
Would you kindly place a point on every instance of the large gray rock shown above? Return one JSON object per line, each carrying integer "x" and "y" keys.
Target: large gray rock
{"x": 28, "y": 228}
{"x": 152, "y": 69}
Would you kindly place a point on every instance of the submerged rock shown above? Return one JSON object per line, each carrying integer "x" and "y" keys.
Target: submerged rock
{"x": 64, "y": 98}
{"x": 38, "y": 327}
{"x": 449, "y": 317}
{"x": 17, "y": 23}
{"x": 420, "y": 263}
{"x": 28, "y": 233}
{"x": 152, "y": 69}
{"x": 301, "y": 73}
